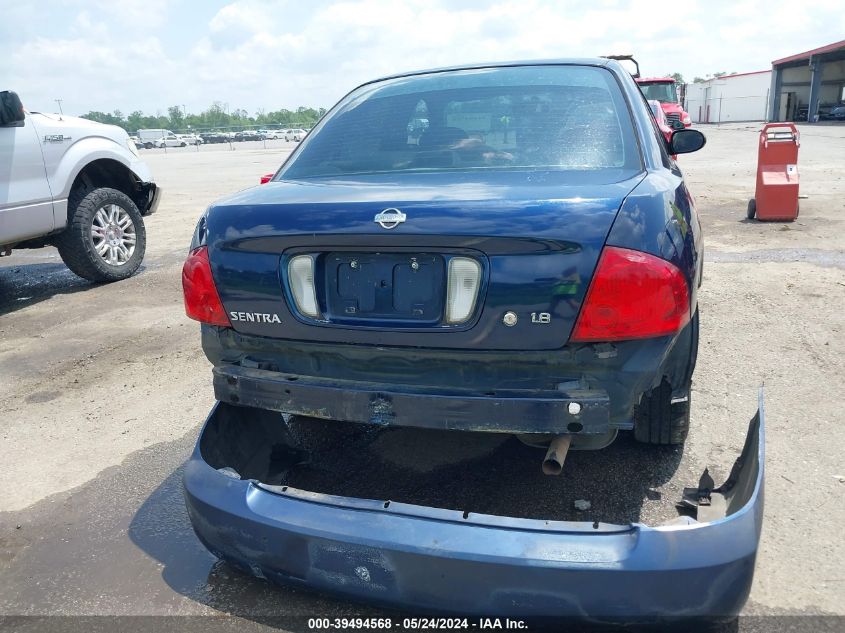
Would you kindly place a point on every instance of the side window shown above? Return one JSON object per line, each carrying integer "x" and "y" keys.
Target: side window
{"x": 658, "y": 135}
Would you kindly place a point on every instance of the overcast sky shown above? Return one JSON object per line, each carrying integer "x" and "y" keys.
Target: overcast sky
{"x": 267, "y": 54}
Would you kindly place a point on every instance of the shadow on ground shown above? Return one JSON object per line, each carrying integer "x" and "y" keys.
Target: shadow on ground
{"x": 162, "y": 530}
{"x": 22, "y": 285}
{"x": 489, "y": 474}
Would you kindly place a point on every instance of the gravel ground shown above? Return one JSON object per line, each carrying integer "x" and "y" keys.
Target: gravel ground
{"x": 103, "y": 389}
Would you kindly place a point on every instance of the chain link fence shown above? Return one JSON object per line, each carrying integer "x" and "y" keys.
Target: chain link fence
{"x": 724, "y": 109}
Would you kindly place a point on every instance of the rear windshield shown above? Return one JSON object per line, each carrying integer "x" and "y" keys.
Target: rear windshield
{"x": 536, "y": 117}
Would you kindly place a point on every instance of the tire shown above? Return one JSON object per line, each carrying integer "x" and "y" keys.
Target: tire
{"x": 752, "y": 209}
{"x": 657, "y": 420}
{"x": 90, "y": 210}
{"x": 183, "y": 144}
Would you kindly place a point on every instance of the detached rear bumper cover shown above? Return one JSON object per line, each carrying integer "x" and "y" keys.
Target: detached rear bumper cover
{"x": 437, "y": 560}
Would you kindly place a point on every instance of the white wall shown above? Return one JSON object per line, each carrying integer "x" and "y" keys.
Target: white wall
{"x": 732, "y": 98}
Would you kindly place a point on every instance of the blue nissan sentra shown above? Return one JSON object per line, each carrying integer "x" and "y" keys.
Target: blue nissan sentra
{"x": 496, "y": 249}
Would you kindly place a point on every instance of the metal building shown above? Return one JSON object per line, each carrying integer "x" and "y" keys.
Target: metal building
{"x": 737, "y": 97}
{"x": 805, "y": 86}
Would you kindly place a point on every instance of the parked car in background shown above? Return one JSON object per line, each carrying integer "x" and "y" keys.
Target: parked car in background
{"x": 827, "y": 112}
{"x": 148, "y": 137}
{"x": 295, "y": 134}
{"x": 273, "y": 134}
{"x": 666, "y": 128}
{"x": 170, "y": 140}
{"x": 190, "y": 139}
{"x": 214, "y": 137}
{"x": 660, "y": 117}
{"x": 74, "y": 184}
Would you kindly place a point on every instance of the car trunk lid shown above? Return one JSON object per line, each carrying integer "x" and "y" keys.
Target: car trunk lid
{"x": 536, "y": 237}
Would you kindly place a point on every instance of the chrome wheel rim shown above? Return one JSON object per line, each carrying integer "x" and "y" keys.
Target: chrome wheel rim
{"x": 113, "y": 234}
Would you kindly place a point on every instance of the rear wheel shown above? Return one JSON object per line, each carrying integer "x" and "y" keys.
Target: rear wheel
{"x": 658, "y": 420}
{"x": 752, "y": 209}
{"x": 105, "y": 238}
{"x": 663, "y": 415}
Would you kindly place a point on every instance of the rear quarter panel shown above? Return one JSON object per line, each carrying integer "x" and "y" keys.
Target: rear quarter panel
{"x": 659, "y": 216}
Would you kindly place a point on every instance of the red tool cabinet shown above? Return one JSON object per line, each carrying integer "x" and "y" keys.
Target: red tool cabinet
{"x": 776, "y": 196}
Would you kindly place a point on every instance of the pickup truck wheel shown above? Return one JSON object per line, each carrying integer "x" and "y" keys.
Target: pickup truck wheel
{"x": 105, "y": 239}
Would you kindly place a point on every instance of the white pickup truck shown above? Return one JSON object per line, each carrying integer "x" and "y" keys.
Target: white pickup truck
{"x": 74, "y": 184}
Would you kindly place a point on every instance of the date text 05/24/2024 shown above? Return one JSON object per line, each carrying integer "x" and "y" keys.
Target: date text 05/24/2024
{"x": 417, "y": 623}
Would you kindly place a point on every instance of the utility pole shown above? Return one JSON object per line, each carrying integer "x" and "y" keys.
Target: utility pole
{"x": 59, "y": 101}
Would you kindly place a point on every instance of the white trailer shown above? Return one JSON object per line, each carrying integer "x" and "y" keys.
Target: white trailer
{"x": 148, "y": 138}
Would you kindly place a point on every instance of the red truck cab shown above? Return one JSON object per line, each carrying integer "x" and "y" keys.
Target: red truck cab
{"x": 665, "y": 90}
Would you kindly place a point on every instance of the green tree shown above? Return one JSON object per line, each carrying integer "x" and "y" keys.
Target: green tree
{"x": 103, "y": 117}
{"x": 216, "y": 116}
{"x": 174, "y": 114}
{"x": 134, "y": 121}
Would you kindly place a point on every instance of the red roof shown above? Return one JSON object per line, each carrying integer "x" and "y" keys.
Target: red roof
{"x": 754, "y": 72}
{"x": 808, "y": 54}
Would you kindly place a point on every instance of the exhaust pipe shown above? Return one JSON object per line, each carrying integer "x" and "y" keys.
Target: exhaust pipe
{"x": 555, "y": 456}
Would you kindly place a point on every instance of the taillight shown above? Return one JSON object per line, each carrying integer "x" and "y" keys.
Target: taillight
{"x": 266, "y": 178}
{"x": 301, "y": 279}
{"x": 461, "y": 288}
{"x": 633, "y": 295}
{"x": 201, "y": 299}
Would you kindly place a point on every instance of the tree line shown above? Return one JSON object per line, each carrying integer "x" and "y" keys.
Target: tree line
{"x": 216, "y": 117}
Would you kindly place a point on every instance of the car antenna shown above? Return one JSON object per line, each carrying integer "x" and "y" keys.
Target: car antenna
{"x": 626, "y": 58}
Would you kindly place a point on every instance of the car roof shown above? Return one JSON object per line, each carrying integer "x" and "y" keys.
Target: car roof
{"x": 566, "y": 61}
